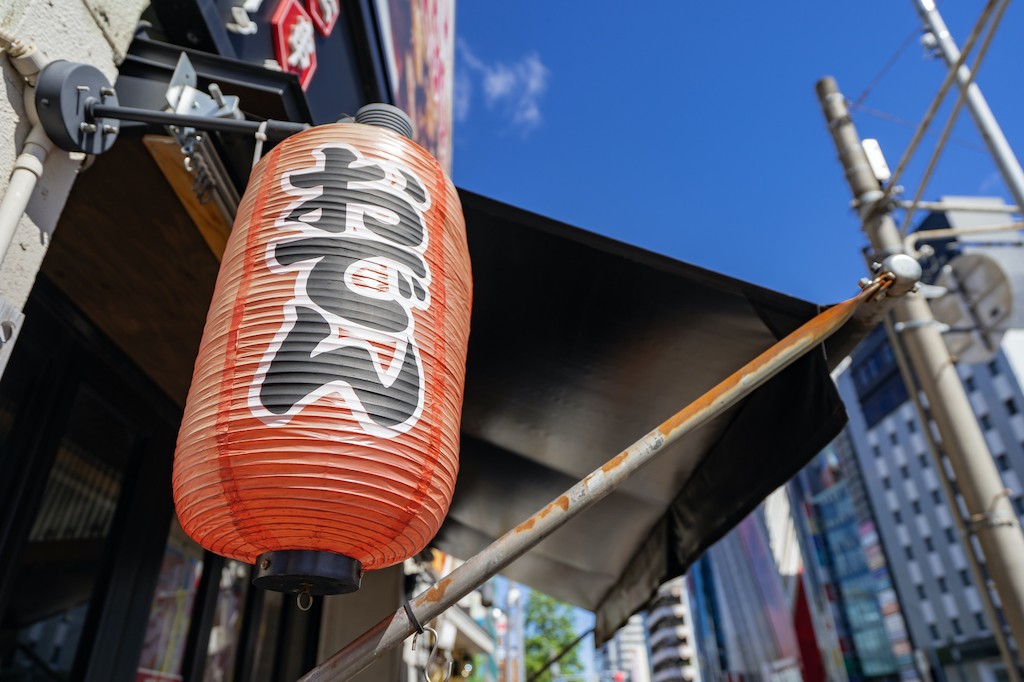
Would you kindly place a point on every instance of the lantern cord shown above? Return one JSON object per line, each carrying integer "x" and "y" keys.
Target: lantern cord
{"x": 413, "y": 620}
{"x": 261, "y": 137}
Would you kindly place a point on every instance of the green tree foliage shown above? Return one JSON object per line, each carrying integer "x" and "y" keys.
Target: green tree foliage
{"x": 549, "y": 629}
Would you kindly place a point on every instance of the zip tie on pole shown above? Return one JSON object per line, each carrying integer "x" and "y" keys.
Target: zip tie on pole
{"x": 388, "y": 633}
{"x": 412, "y": 619}
{"x": 261, "y": 137}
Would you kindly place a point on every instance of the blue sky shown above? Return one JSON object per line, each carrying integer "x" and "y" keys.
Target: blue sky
{"x": 692, "y": 129}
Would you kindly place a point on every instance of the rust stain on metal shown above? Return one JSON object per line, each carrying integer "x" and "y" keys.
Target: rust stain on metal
{"x": 615, "y": 461}
{"x": 436, "y": 594}
{"x": 814, "y": 330}
{"x": 562, "y": 502}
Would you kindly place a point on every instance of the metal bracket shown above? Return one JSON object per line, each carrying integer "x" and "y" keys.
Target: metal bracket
{"x": 917, "y": 324}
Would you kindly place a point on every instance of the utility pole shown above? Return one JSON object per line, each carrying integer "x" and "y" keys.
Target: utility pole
{"x": 990, "y": 131}
{"x": 991, "y": 517}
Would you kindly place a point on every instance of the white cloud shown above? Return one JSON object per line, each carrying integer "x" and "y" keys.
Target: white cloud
{"x": 993, "y": 184}
{"x": 462, "y": 96}
{"x": 516, "y": 88}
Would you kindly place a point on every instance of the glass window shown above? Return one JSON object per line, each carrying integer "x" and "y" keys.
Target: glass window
{"x": 1018, "y": 504}
{"x": 943, "y": 588}
{"x": 1003, "y": 462}
{"x": 921, "y": 593}
{"x": 969, "y": 383}
{"x": 227, "y": 621}
{"x": 993, "y": 368}
{"x": 965, "y": 577}
{"x": 910, "y": 552}
{"x": 1011, "y": 406}
{"x": 886, "y": 484}
{"x": 904, "y": 471}
{"x": 893, "y": 439}
{"x": 986, "y": 422}
{"x": 928, "y": 545}
{"x": 955, "y": 622}
{"x": 979, "y": 619}
{"x": 171, "y": 611}
{"x": 933, "y": 631}
{"x": 67, "y": 541}
{"x": 911, "y": 426}
{"x": 917, "y": 506}
{"x": 874, "y": 449}
{"x": 923, "y": 461}
{"x": 950, "y": 535}
{"x": 897, "y": 516}
{"x": 936, "y": 496}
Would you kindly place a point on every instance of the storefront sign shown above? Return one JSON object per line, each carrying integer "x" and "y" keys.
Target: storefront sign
{"x": 294, "y": 41}
{"x": 325, "y": 14}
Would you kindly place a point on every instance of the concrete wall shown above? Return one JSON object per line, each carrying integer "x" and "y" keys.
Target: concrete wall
{"x": 95, "y": 32}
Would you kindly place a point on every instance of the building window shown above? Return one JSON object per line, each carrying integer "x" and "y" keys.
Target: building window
{"x": 986, "y": 422}
{"x": 950, "y": 535}
{"x": 911, "y": 426}
{"x": 1003, "y": 462}
{"x": 874, "y": 449}
{"x": 965, "y": 577}
{"x": 893, "y": 439}
{"x": 929, "y": 545}
{"x": 955, "y": 622}
{"x": 936, "y": 496}
{"x": 910, "y": 552}
{"x": 920, "y": 592}
{"x": 1011, "y": 406}
{"x": 943, "y": 588}
{"x": 934, "y": 632}
{"x": 923, "y": 460}
{"x": 993, "y": 368}
{"x": 980, "y": 620}
{"x": 969, "y": 383}
{"x": 886, "y": 484}
{"x": 904, "y": 471}
{"x": 897, "y": 516}
{"x": 1018, "y": 504}
{"x": 917, "y": 506}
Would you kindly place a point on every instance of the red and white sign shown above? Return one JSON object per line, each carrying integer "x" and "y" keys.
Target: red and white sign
{"x": 325, "y": 14}
{"x": 294, "y": 40}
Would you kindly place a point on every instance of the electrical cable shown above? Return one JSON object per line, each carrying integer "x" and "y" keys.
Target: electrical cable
{"x": 937, "y": 101}
{"x": 909, "y": 124}
{"x": 888, "y": 65}
{"x": 961, "y": 98}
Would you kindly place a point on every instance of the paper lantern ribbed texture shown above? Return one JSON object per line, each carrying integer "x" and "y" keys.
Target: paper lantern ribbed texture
{"x": 325, "y": 404}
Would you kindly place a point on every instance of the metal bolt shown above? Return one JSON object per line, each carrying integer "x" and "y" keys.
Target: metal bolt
{"x": 87, "y": 127}
{"x": 875, "y": 267}
{"x": 864, "y": 281}
{"x": 265, "y": 564}
{"x": 110, "y": 130}
{"x": 83, "y": 88}
{"x": 107, "y": 92}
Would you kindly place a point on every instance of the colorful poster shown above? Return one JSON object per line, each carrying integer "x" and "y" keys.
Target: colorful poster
{"x": 419, "y": 47}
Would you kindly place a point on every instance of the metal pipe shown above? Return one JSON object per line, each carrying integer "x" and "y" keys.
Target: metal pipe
{"x": 941, "y": 206}
{"x": 933, "y": 108}
{"x": 910, "y": 243}
{"x": 392, "y": 630}
{"x": 996, "y": 525}
{"x": 951, "y": 121}
{"x": 989, "y": 128}
{"x": 28, "y": 168}
{"x": 277, "y": 129}
{"x": 947, "y": 488}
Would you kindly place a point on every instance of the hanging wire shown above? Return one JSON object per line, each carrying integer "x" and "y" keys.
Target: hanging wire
{"x": 908, "y": 124}
{"x": 961, "y": 98}
{"x": 885, "y": 69}
{"x": 939, "y": 97}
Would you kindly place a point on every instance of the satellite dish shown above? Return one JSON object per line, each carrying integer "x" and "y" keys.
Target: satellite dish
{"x": 983, "y": 301}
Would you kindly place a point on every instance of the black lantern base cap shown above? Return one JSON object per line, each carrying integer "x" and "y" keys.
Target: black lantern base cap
{"x": 304, "y": 570}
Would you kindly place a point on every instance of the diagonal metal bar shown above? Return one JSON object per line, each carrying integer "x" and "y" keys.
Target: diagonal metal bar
{"x": 430, "y": 604}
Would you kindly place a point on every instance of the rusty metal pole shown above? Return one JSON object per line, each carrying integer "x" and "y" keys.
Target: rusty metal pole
{"x": 429, "y": 605}
{"x": 992, "y": 519}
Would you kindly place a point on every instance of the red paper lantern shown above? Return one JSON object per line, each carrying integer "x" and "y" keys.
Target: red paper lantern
{"x": 321, "y": 432}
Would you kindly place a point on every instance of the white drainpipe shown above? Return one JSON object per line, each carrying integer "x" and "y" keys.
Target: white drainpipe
{"x": 28, "y": 167}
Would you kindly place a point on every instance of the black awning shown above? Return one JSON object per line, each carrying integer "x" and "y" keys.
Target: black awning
{"x": 579, "y": 346}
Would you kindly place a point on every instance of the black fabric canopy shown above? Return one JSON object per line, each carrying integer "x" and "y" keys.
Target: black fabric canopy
{"x": 579, "y": 346}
